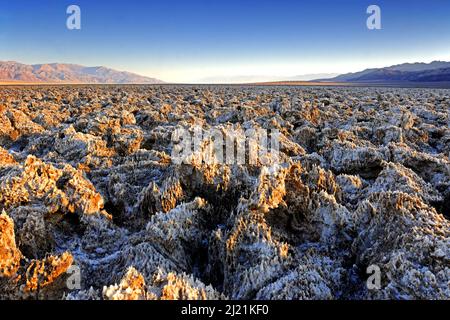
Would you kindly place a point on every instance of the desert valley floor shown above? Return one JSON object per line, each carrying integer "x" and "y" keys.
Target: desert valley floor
{"x": 94, "y": 207}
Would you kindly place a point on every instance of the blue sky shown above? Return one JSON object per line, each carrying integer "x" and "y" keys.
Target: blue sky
{"x": 207, "y": 40}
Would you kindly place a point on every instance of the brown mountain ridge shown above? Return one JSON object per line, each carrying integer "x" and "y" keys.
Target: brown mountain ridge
{"x": 11, "y": 71}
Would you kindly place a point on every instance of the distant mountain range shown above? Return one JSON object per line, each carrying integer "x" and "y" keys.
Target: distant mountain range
{"x": 436, "y": 71}
{"x": 11, "y": 71}
{"x": 242, "y": 79}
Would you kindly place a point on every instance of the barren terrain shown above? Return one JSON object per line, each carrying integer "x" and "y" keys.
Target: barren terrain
{"x": 93, "y": 207}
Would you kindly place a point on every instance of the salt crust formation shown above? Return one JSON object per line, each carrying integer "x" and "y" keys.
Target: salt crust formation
{"x": 87, "y": 181}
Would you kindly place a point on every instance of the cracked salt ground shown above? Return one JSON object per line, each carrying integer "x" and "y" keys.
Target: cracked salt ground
{"x": 87, "y": 180}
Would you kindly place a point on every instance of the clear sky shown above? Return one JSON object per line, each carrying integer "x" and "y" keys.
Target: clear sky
{"x": 208, "y": 40}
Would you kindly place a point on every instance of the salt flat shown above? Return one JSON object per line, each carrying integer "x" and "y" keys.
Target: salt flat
{"x": 91, "y": 197}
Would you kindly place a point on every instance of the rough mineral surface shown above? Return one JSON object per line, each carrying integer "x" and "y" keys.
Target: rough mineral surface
{"x": 94, "y": 205}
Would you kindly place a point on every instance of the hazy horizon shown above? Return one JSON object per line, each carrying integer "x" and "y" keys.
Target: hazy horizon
{"x": 201, "y": 41}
